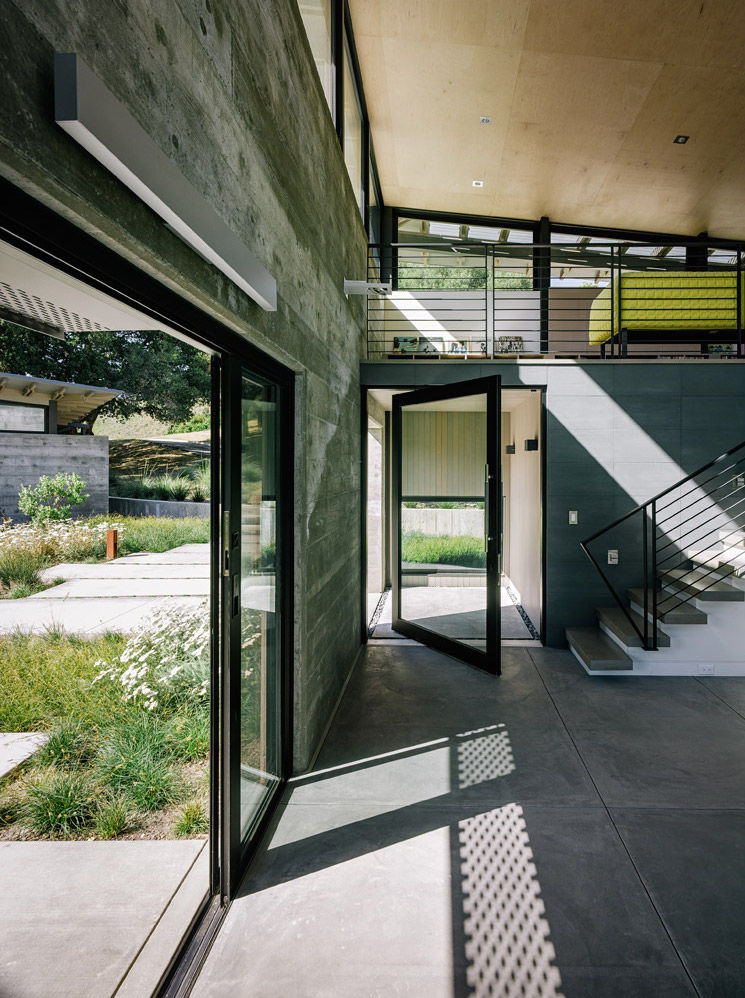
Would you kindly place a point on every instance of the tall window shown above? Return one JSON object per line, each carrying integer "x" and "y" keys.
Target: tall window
{"x": 316, "y": 15}
{"x": 353, "y": 131}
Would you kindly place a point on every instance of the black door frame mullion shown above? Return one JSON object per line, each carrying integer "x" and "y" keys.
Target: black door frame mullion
{"x": 490, "y": 660}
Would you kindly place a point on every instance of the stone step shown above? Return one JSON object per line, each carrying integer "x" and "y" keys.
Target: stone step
{"x": 693, "y": 582}
{"x": 686, "y": 613}
{"x": 735, "y": 537}
{"x": 730, "y": 560}
{"x": 596, "y": 651}
{"x": 614, "y": 619}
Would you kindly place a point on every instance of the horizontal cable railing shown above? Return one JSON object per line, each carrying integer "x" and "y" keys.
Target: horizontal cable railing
{"x": 461, "y": 299}
{"x": 677, "y": 545}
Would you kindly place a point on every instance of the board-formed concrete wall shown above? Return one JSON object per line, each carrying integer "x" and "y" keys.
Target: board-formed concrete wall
{"x": 617, "y": 433}
{"x": 230, "y": 92}
{"x": 25, "y": 457}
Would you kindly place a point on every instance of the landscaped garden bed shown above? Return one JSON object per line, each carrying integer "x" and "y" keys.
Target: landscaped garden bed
{"x": 128, "y": 724}
{"x": 27, "y": 549}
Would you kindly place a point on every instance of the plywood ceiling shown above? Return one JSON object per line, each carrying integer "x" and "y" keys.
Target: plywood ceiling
{"x": 585, "y": 96}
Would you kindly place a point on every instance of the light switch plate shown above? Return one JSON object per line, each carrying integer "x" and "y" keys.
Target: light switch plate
{"x": 573, "y": 517}
{"x": 612, "y": 557}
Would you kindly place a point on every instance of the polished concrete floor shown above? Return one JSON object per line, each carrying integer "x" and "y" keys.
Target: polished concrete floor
{"x": 541, "y": 834}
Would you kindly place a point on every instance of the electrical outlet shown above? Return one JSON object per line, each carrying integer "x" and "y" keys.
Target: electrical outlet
{"x": 706, "y": 670}
{"x": 612, "y": 557}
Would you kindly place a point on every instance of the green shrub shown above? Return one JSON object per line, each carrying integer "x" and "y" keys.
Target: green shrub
{"x": 198, "y": 421}
{"x": 53, "y": 497}
{"x": 111, "y": 817}
{"x": 199, "y": 494}
{"x": 188, "y": 734}
{"x": 20, "y": 566}
{"x": 178, "y": 489}
{"x": 143, "y": 777}
{"x": 465, "y": 552}
{"x": 58, "y": 803}
{"x": 68, "y": 745}
{"x": 192, "y": 820}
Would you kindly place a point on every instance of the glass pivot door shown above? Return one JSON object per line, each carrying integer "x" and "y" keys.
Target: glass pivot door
{"x": 446, "y": 519}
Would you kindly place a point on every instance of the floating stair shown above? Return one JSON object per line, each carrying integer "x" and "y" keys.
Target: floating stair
{"x": 596, "y": 651}
{"x": 686, "y": 613}
{"x": 698, "y": 583}
{"x": 613, "y": 619}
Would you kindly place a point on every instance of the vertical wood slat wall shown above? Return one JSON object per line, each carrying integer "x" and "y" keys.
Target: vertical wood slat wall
{"x": 443, "y": 454}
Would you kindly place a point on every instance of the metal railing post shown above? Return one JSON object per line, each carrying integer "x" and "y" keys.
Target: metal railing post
{"x": 612, "y": 309}
{"x": 645, "y": 570}
{"x": 489, "y": 306}
{"x": 739, "y": 302}
{"x": 654, "y": 574}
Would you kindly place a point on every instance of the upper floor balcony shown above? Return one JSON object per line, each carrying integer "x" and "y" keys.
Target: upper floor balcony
{"x": 578, "y": 297}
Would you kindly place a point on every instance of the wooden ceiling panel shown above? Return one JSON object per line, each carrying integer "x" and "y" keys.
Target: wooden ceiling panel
{"x": 687, "y": 32}
{"x": 586, "y": 99}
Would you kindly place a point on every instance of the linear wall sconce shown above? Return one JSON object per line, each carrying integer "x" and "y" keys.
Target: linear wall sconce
{"x": 90, "y": 113}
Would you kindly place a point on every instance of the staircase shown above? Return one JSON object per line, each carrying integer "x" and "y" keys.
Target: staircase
{"x": 687, "y": 550}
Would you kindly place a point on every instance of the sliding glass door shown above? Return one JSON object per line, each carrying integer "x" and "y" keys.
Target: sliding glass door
{"x": 252, "y": 603}
{"x": 446, "y": 513}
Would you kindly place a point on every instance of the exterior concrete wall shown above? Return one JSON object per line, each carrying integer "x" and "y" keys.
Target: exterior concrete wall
{"x": 617, "y": 433}
{"x": 25, "y": 457}
{"x": 157, "y": 507}
{"x": 230, "y": 92}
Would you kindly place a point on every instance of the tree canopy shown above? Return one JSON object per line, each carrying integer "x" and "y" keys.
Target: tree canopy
{"x": 159, "y": 375}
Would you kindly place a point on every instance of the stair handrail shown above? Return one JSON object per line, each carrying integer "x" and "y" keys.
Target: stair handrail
{"x": 650, "y": 642}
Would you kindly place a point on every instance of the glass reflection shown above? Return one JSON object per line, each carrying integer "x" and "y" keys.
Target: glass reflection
{"x": 443, "y": 518}
{"x": 260, "y": 647}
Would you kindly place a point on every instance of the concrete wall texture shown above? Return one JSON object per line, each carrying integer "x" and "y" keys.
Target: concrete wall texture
{"x": 230, "y": 92}
{"x": 25, "y": 457}
{"x": 617, "y": 433}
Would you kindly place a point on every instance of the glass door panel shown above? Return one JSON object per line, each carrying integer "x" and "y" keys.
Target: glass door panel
{"x": 259, "y": 617}
{"x": 446, "y": 518}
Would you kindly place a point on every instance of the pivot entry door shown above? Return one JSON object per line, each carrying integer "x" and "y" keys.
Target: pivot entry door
{"x": 446, "y": 519}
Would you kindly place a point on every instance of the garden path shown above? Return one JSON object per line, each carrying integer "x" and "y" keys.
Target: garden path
{"x": 112, "y": 596}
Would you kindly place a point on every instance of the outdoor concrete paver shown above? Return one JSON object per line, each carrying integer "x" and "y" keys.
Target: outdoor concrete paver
{"x": 75, "y": 914}
{"x": 18, "y": 746}
{"x": 117, "y": 595}
{"x": 115, "y": 588}
{"x": 85, "y": 616}
{"x": 121, "y": 570}
{"x": 401, "y": 866}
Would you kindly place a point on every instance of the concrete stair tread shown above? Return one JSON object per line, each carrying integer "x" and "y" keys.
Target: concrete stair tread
{"x": 697, "y": 583}
{"x": 686, "y": 613}
{"x": 596, "y": 651}
{"x": 735, "y": 537}
{"x": 730, "y": 559}
{"x": 615, "y": 620}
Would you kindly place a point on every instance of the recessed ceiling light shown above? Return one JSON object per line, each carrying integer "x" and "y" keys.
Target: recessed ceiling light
{"x": 477, "y": 183}
{"x": 485, "y": 119}
{"x": 681, "y": 139}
